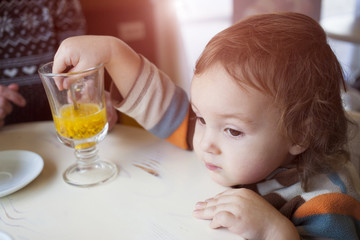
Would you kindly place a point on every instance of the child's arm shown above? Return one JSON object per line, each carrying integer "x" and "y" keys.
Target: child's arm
{"x": 139, "y": 89}
{"x": 158, "y": 105}
{"x": 83, "y": 52}
{"x": 246, "y": 213}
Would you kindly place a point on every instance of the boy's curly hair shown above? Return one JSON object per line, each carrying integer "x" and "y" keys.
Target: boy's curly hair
{"x": 286, "y": 56}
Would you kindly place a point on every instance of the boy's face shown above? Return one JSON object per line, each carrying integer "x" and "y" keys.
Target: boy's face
{"x": 236, "y": 133}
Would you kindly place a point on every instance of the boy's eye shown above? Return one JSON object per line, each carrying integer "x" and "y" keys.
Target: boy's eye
{"x": 233, "y": 132}
{"x": 201, "y": 120}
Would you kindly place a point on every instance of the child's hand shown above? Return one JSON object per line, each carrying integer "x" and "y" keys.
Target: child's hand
{"x": 80, "y": 53}
{"x": 9, "y": 94}
{"x": 83, "y": 52}
{"x": 246, "y": 213}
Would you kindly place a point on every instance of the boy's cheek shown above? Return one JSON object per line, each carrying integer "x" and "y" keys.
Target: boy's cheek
{"x": 196, "y": 144}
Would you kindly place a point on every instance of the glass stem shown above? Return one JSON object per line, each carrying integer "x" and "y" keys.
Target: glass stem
{"x": 87, "y": 156}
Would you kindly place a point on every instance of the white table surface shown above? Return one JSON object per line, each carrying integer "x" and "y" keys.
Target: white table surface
{"x": 134, "y": 205}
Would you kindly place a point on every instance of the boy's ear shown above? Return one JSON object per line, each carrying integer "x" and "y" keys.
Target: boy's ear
{"x": 301, "y": 142}
{"x": 296, "y": 149}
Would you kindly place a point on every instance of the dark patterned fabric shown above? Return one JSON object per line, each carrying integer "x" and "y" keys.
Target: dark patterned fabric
{"x": 30, "y": 33}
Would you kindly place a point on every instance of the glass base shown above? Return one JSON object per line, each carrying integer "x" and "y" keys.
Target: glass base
{"x": 90, "y": 175}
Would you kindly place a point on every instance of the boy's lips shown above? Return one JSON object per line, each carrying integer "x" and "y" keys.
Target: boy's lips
{"x": 212, "y": 167}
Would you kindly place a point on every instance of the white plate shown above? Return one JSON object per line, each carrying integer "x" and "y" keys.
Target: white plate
{"x": 17, "y": 169}
{"x": 5, "y": 236}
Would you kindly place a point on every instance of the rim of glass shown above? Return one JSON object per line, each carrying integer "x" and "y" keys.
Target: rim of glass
{"x": 41, "y": 70}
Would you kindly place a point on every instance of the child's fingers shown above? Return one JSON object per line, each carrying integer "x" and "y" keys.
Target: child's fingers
{"x": 205, "y": 213}
{"x": 59, "y": 65}
{"x": 236, "y": 224}
{"x": 65, "y": 57}
{"x": 223, "y": 198}
{"x": 223, "y": 219}
{"x": 65, "y": 60}
{"x": 209, "y": 212}
{"x": 75, "y": 54}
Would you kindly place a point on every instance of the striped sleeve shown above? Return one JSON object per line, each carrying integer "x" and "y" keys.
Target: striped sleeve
{"x": 334, "y": 212}
{"x": 329, "y": 209}
{"x": 332, "y": 215}
{"x": 157, "y": 104}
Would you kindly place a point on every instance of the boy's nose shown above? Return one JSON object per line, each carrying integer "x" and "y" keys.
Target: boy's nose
{"x": 209, "y": 143}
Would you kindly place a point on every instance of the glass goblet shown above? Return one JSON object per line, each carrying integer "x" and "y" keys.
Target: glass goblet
{"x": 79, "y": 115}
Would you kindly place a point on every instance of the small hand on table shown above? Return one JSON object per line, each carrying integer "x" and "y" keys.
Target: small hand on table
{"x": 247, "y": 214}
